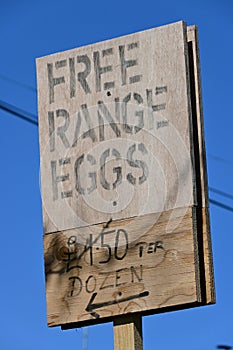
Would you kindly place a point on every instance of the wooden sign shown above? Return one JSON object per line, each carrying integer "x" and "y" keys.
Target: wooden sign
{"x": 123, "y": 178}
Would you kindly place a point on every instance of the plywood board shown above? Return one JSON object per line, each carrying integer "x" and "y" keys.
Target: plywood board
{"x": 114, "y": 131}
{"x": 123, "y": 177}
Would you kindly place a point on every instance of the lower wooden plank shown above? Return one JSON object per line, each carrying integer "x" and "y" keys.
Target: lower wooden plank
{"x": 208, "y": 258}
{"x": 121, "y": 267}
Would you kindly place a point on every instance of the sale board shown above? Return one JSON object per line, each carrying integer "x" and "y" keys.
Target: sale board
{"x": 123, "y": 178}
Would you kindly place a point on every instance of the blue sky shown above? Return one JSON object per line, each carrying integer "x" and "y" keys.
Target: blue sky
{"x": 31, "y": 29}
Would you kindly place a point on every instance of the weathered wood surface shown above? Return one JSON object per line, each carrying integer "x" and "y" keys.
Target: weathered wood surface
{"x": 115, "y": 150}
{"x": 128, "y": 333}
{"x": 124, "y": 185}
{"x": 106, "y": 277}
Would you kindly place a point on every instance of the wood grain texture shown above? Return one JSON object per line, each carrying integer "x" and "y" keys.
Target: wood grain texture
{"x": 125, "y": 202}
{"x": 128, "y": 333}
{"x": 121, "y": 152}
{"x": 157, "y": 269}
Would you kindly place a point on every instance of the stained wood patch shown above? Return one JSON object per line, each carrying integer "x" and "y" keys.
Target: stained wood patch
{"x": 123, "y": 174}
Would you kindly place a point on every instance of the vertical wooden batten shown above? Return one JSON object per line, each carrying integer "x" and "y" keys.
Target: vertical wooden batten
{"x": 202, "y": 206}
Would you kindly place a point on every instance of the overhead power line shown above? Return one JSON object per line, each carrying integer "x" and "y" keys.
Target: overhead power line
{"x": 221, "y": 205}
{"x": 15, "y": 82}
{"x": 221, "y": 193}
{"x": 31, "y": 88}
{"x": 20, "y": 113}
{"x": 220, "y": 159}
{"x": 31, "y": 118}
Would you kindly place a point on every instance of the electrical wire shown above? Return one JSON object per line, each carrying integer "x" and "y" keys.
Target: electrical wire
{"x": 28, "y": 87}
{"x": 221, "y": 205}
{"x": 15, "y": 82}
{"x": 220, "y": 159}
{"x": 221, "y": 193}
{"x": 31, "y": 118}
{"x": 20, "y": 113}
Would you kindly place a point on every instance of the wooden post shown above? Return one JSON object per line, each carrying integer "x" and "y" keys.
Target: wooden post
{"x": 128, "y": 333}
